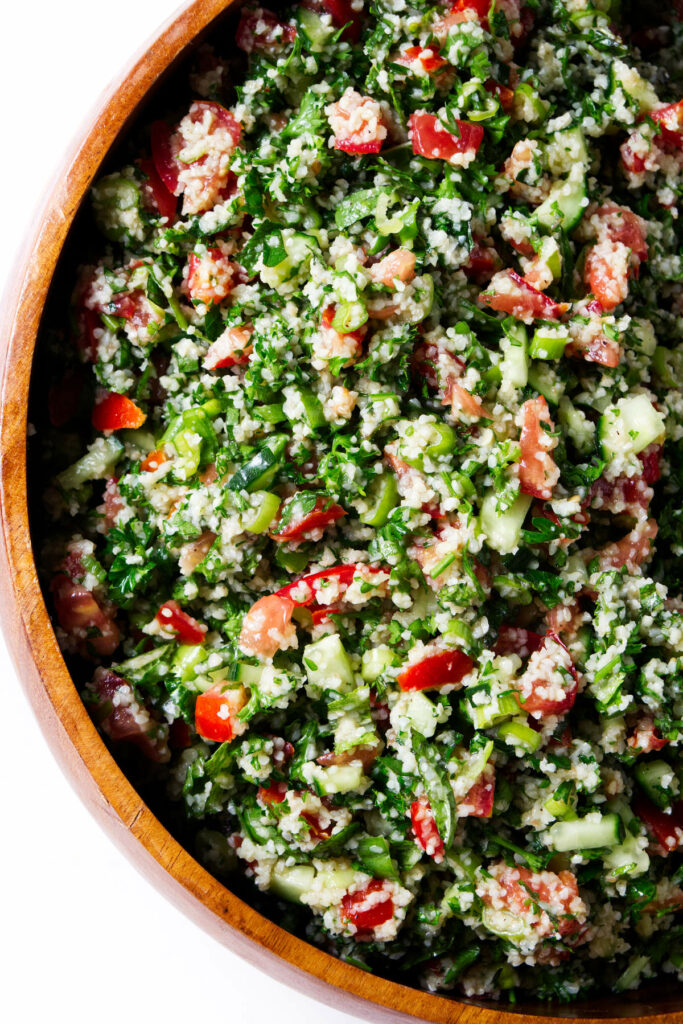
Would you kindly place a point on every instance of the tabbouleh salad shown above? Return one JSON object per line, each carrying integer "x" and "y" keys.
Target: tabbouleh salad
{"x": 373, "y": 562}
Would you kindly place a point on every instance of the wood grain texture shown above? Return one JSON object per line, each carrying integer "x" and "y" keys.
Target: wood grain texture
{"x": 41, "y": 668}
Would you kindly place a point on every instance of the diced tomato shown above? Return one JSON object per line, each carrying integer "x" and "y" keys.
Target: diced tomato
{"x": 442, "y": 669}
{"x": 565, "y": 619}
{"x": 64, "y": 397}
{"x": 433, "y": 141}
{"x": 324, "y": 513}
{"x": 424, "y": 827}
{"x": 463, "y": 400}
{"x": 650, "y": 459}
{"x": 606, "y": 274}
{"x": 631, "y": 159}
{"x": 644, "y": 737}
{"x": 156, "y": 194}
{"x": 538, "y": 472}
{"x": 342, "y": 14}
{"x": 187, "y": 629}
{"x": 670, "y": 121}
{"x": 595, "y": 349}
{"x": 268, "y": 626}
{"x": 509, "y": 293}
{"x": 549, "y": 684}
{"x": 504, "y": 95}
{"x": 164, "y": 157}
{"x": 210, "y": 277}
{"x": 631, "y": 494}
{"x": 87, "y": 321}
{"x": 368, "y": 908}
{"x": 261, "y": 29}
{"x": 116, "y": 412}
{"x": 233, "y": 348}
{"x": 430, "y": 60}
{"x": 215, "y": 713}
{"x": 317, "y": 831}
{"x": 667, "y": 829}
{"x": 272, "y": 792}
{"x": 152, "y": 461}
{"x": 482, "y": 263}
{"x": 516, "y": 640}
{"x": 80, "y": 615}
{"x": 399, "y": 265}
{"x": 366, "y": 755}
{"x": 480, "y": 7}
{"x": 123, "y": 719}
{"x": 557, "y": 894}
{"x": 620, "y": 224}
{"x": 632, "y": 550}
{"x": 478, "y": 801}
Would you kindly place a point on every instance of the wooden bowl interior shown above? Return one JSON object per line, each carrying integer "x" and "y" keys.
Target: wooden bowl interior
{"x": 136, "y": 817}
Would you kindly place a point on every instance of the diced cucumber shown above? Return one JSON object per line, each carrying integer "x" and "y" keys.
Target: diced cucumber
{"x": 668, "y": 365}
{"x": 259, "y": 472}
{"x": 658, "y": 781}
{"x": 566, "y": 202}
{"x": 317, "y": 31}
{"x": 151, "y": 663}
{"x": 422, "y": 299}
{"x": 514, "y": 366}
{"x": 414, "y": 710}
{"x": 97, "y": 464}
{"x": 519, "y": 735}
{"x": 528, "y": 105}
{"x": 580, "y": 429}
{"x": 585, "y": 834}
{"x": 374, "y": 662}
{"x": 327, "y": 664}
{"x": 338, "y": 778}
{"x": 627, "y": 859}
{"x": 504, "y": 924}
{"x": 334, "y": 875}
{"x": 186, "y": 659}
{"x": 261, "y": 515}
{"x": 383, "y": 497}
{"x": 567, "y": 150}
{"x": 562, "y": 803}
{"x": 544, "y": 379}
{"x": 503, "y": 529}
{"x": 291, "y": 883}
{"x": 631, "y": 977}
{"x": 630, "y": 426}
{"x": 496, "y": 710}
{"x": 248, "y": 674}
{"x": 634, "y": 85}
{"x": 549, "y": 342}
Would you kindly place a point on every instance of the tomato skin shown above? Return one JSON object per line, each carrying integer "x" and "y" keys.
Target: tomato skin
{"x": 480, "y": 798}
{"x": 366, "y": 919}
{"x": 188, "y": 630}
{"x": 437, "y": 670}
{"x": 163, "y": 157}
{"x": 650, "y": 459}
{"x": 250, "y": 36}
{"x": 538, "y": 473}
{"x": 117, "y": 412}
{"x": 342, "y": 13}
{"x": 152, "y": 461}
{"x": 272, "y": 792}
{"x": 670, "y": 120}
{"x": 327, "y": 317}
{"x": 430, "y": 140}
{"x": 319, "y": 518}
{"x": 666, "y": 828}
{"x": 209, "y": 280}
{"x": 503, "y": 94}
{"x": 644, "y": 737}
{"x": 162, "y": 197}
{"x": 480, "y": 8}
{"x": 482, "y": 263}
{"x": 342, "y": 573}
{"x": 523, "y": 301}
{"x": 424, "y": 827}
{"x": 358, "y": 148}
{"x": 430, "y": 61}
{"x": 556, "y": 891}
{"x": 215, "y": 713}
{"x": 77, "y": 610}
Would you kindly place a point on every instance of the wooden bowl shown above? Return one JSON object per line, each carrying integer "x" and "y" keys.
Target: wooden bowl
{"x": 74, "y": 740}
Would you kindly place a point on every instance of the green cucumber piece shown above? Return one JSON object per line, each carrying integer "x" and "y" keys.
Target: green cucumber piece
{"x": 630, "y": 426}
{"x": 261, "y": 469}
{"x": 656, "y": 779}
{"x": 97, "y": 464}
{"x": 566, "y": 202}
{"x": 316, "y": 31}
{"x": 548, "y": 342}
{"x": 514, "y": 366}
{"x": 544, "y": 379}
{"x": 583, "y": 834}
{"x": 375, "y": 661}
{"x": 519, "y": 735}
{"x": 327, "y": 662}
{"x": 562, "y": 804}
{"x": 503, "y": 529}
{"x": 338, "y": 778}
{"x": 291, "y": 883}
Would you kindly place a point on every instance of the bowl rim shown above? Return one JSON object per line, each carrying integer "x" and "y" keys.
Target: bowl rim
{"x": 64, "y": 721}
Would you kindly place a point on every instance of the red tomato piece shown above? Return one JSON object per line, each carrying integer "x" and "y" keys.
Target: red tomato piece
{"x": 187, "y": 629}
{"x": 644, "y": 737}
{"x": 155, "y": 192}
{"x": 87, "y": 322}
{"x": 342, "y": 13}
{"x": 358, "y": 148}
{"x": 442, "y": 669}
{"x": 538, "y": 473}
{"x": 503, "y": 94}
{"x": 516, "y": 640}
{"x": 164, "y": 156}
{"x": 431, "y": 140}
{"x": 232, "y": 348}
{"x": 424, "y": 827}
{"x": 179, "y": 735}
{"x": 117, "y": 412}
{"x": 261, "y": 29}
{"x": 631, "y": 158}
{"x": 620, "y": 224}
{"x": 273, "y": 792}
{"x": 670, "y": 121}
{"x": 368, "y": 908}
{"x": 302, "y": 592}
{"x": 328, "y": 316}
{"x": 463, "y": 400}
{"x": 428, "y": 58}
{"x": 153, "y": 460}
{"x": 80, "y": 615}
{"x": 268, "y": 626}
{"x": 215, "y": 713}
{"x": 632, "y": 550}
{"x": 549, "y": 684}
{"x": 558, "y": 893}
{"x": 478, "y": 802}
{"x": 322, "y": 515}
{"x": 480, "y": 7}
{"x": 482, "y": 263}
{"x": 510, "y": 293}
{"x": 317, "y": 831}
{"x": 667, "y": 829}
{"x": 210, "y": 277}
{"x": 650, "y": 459}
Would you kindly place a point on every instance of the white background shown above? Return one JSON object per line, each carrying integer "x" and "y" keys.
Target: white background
{"x": 84, "y": 938}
